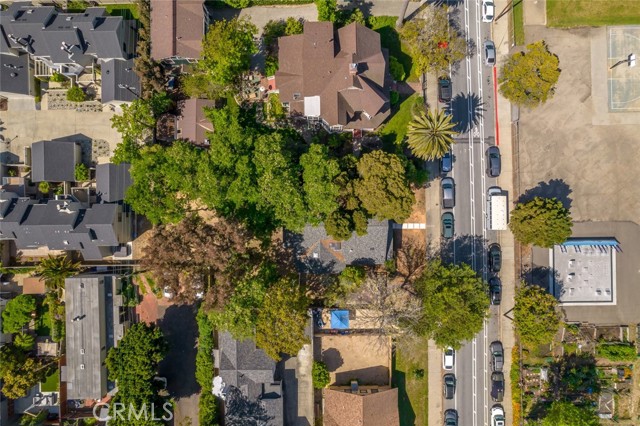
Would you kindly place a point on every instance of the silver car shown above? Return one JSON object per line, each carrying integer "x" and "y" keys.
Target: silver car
{"x": 448, "y": 192}
{"x": 489, "y": 53}
{"x": 494, "y": 164}
{"x": 497, "y": 356}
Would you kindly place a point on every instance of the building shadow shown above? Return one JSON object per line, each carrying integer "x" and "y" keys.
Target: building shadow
{"x": 399, "y": 381}
{"x": 555, "y": 188}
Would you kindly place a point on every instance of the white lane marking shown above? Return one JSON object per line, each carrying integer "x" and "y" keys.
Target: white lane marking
{"x": 474, "y": 367}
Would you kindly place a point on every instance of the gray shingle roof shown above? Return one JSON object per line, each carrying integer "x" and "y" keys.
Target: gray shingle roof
{"x": 116, "y": 73}
{"x": 14, "y": 74}
{"x": 54, "y": 161}
{"x": 318, "y": 253}
{"x": 112, "y": 181}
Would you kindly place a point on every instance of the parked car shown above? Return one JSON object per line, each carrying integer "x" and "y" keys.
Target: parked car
{"x": 497, "y": 416}
{"x": 497, "y": 386}
{"x": 449, "y": 386}
{"x": 494, "y": 165}
{"x": 497, "y": 355}
{"x": 495, "y": 257}
{"x": 448, "y": 358}
{"x": 446, "y": 163}
{"x": 488, "y": 10}
{"x": 451, "y": 418}
{"x": 489, "y": 53}
{"x": 495, "y": 291}
{"x": 447, "y": 225}
{"x": 448, "y": 192}
{"x": 445, "y": 92}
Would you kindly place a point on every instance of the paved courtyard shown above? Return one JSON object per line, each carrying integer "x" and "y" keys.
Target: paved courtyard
{"x": 572, "y": 147}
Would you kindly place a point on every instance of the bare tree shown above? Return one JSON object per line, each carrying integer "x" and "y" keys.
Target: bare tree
{"x": 411, "y": 259}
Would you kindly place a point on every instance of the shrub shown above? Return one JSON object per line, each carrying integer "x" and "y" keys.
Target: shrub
{"x": 394, "y": 97}
{"x": 320, "y": 375}
{"x": 17, "y": 313}
{"x": 57, "y": 78}
{"x": 81, "y": 172}
{"x": 204, "y": 370}
{"x": 76, "y": 94}
{"x": 271, "y": 65}
{"x": 396, "y": 69}
{"x": 24, "y": 341}
{"x": 617, "y": 351}
{"x": 44, "y": 187}
{"x": 418, "y": 374}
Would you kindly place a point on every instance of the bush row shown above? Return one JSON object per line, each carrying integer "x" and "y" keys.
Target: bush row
{"x": 204, "y": 371}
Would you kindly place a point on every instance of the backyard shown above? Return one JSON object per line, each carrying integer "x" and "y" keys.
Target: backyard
{"x": 396, "y": 128}
{"x": 580, "y": 13}
{"x": 390, "y": 39}
{"x": 409, "y": 375}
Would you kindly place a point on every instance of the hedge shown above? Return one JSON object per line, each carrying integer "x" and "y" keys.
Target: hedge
{"x": 204, "y": 370}
{"x": 617, "y": 351}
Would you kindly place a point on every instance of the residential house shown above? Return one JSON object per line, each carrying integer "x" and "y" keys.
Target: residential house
{"x": 112, "y": 181}
{"x": 95, "y": 322}
{"x": 318, "y": 253}
{"x": 360, "y": 406}
{"x": 54, "y": 161}
{"x": 339, "y": 78}
{"x": 40, "y": 41}
{"x": 193, "y": 124}
{"x": 250, "y": 388}
{"x": 177, "y": 30}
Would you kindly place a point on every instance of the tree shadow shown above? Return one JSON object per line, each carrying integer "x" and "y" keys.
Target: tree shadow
{"x": 555, "y": 188}
{"x": 332, "y": 358}
{"x": 464, "y": 249}
{"x": 460, "y": 107}
{"x": 538, "y": 276}
{"x": 573, "y": 377}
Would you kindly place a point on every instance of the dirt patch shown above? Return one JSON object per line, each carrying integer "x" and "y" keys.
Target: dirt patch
{"x": 419, "y": 213}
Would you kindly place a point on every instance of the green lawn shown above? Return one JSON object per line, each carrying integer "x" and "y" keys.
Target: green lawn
{"x": 390, "y": 39}
{"x": 518, "y": 22}
{"x": 577, "y": 13}
{"x": 413, "y": 391}
{"x": 43, "y": 320}
{"x": 127, "y": 11}
{"x": 396, "y": 128}
{"x": 52, "y": 382}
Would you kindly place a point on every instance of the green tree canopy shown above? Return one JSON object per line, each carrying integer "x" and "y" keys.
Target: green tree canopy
{"x": 434, "y": 43}
{"x": 320, "y": 375}
{"x": 55, "y": 269}
{"x": 24, "y": 341}
{"x": 17, "y": 313}
{"x": 564, "y": 413}
{"x": 319, "y": 173}
{"x": 81, "y": 172}
{"x": 430, "y": 135}
{"x": 382, "y": 188}
{"x": 535, "y": 315}
{"x": 138, "y": 119}
{"x": 327, "y": 10}
{"x": 543, "y": 222}
{"x": 226, "y": 50}
{"x": 19, "y": 372}
{"x": 529, "y": 78}
{"x": 455, "y": 303}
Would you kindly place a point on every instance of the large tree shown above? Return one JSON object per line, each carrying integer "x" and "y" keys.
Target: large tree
{"x": 564, "y": 413}
{"x": 138, "y": 119}
{"x": 282, "y": 319}
{"x": 543, "y": 222}
{"x": 17, "y": 313}
{"x": 455, "y": 303}
{"x": 430, "y": 135}
{"x": 529, "y": 78}
{"x": 434, "y": 42}
{"x": 226, "y": 50}
{"x": 319, "y": 173}
{"x": 382, "y": 188}
{"x": 536, "y": 315}
{"x": 18, "y": 372}
{"x": 55, "y": 269}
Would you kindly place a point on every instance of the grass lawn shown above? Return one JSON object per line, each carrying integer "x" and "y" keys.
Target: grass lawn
{"x": 577, "y": 13}
{"x": 413, "y": 402}
{"x": 52, "y": 382}
{"x": 396, "y": 128}
{"x": 518, "y": 22}
{"x": 43, "y": 320}
{"x": 390, "y": 39}
{"x": 127, "y": 11}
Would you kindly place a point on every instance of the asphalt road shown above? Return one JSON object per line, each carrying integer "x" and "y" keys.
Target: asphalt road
{"x": 472, "y": 108}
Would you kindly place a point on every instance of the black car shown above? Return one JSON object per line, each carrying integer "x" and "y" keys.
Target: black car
{"x": 444, "y": 90}
{"x": 497, "y": 356}
{"x": 451, "y": 418}
{"x": 494, "y": 165}
{"x": 495, "y": 290}
{"x": 447, "y": 225}
{"x": 449, "y": 389}
{"x": 446, "y": 163}
{"x": 495, "y": 257}
{"x": 497, "y": 386}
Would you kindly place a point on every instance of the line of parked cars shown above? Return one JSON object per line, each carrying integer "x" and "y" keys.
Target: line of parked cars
{"x": 497, "y": 383}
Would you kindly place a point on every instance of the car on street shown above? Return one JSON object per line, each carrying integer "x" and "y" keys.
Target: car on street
{"x": 495, "y": 257}
{"x": 448, "y": 192}
{"x": 489, "y": 53}
{"x": 451, "y": 418}
{"x": 445, "y": 92}
{"x": 495, "y": 290}
{"x": 497, "y": 386}
{"x": 497, "y": 355}
{"x": 448, "y": 358}
{"x": 447, "y": 225}
{"x": 494, "y": 165}
{"x": 446, "y": 163}
{"x": 488, "y": 11}
{"x": 497, "y": 416}
{"x": 449, "y": 386}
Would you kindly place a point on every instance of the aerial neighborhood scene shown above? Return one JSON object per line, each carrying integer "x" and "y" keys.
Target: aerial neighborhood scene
{"x": 319, "y": 212}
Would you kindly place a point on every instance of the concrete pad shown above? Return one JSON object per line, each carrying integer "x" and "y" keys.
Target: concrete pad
{"x": 535, "y": 12}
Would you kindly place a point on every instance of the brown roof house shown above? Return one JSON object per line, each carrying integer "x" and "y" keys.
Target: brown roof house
{"x": 352, "y": 407}
{"x": 193, "y": 124}
{"x": 177, "y": 28}
{"x": 339, "y": 77}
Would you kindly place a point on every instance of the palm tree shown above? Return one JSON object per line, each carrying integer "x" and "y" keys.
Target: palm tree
{"x": 54, "y": 270}
{"x": 430, "y": 135}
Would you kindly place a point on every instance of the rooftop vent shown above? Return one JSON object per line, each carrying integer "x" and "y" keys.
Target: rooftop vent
{"x": 315, "y": 255}
{"x": 69, "y": 18}
{"x": 81, "y": 366}
{"x": 353, "y": 68}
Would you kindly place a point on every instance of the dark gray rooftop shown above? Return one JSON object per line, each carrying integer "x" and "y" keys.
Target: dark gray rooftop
{"x": 112, "y": 181}
{"x": 318, "y": 253}
{"x": 117, "y": 73}
{"x": 54, "y": 161}
{"x": 14, "y": 74}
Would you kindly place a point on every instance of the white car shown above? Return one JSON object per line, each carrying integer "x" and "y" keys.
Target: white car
{"x": 488, "y": 10}
{"x": 497, "y": 416}
{"x": 448, "y": 358}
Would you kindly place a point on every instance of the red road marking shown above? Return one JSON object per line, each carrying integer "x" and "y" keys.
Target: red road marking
{"x": 495, "y": 97}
